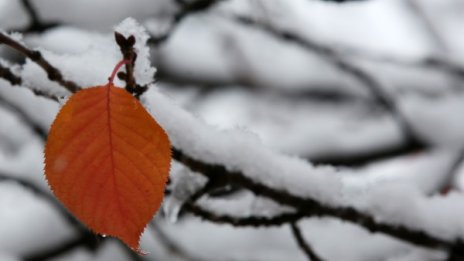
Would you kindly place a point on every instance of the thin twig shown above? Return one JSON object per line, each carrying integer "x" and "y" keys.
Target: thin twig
{"x": 129, "y": 53}
{"x": 127, "y": 49}
{"x": 15, "y": 80}
{"x": 52, "y": 72}
{"x": 304, "y": 246}
{"x": 251, "y": 221}
{"x": 34, "y": 17}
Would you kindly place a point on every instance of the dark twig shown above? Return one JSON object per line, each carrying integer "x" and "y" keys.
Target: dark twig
{"x": 305, "y": 247}
{"x": 127, "y": 49}
{"x": 129, "y": 53}
{"x": 52, "y": 72}
{"x": 252, "y": 221}
{"x": 444, "y": 65}
{"x": 360, "y": 158}
{"x": 456, "y": 253}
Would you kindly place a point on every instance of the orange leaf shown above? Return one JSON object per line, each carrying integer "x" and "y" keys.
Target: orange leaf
{"x": 108, "y": 161}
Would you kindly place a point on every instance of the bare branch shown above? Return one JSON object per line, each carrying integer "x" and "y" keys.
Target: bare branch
{"x": 304, "y": 246}
{"x": 15, "y": 80}
{"x": 31, "y": 12}
{"x": 252, "y": 221}
{"x": 127, "y": 49}
{"x": 129, "y": 53}
{"x": 371, "y": 84}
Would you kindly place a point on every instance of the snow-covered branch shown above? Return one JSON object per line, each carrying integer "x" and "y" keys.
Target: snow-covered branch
{"x": 52, "y": 72}
{"x": 272, "y": 125}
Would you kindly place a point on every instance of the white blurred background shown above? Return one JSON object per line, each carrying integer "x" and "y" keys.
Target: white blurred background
{"x": 278, "y": 70}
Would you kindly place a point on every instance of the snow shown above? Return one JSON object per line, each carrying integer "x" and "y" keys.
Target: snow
{"x": 247, "y": 125}
{"x": 342, "y": 128}
{"x": 144, "y": 73}
{"x": 246, "y": 204}
{"x": 183, "y": 185}
{"x": 38, "y": 108}
{"x": 88, "y": 64}
{"x": 440, "y": 115}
